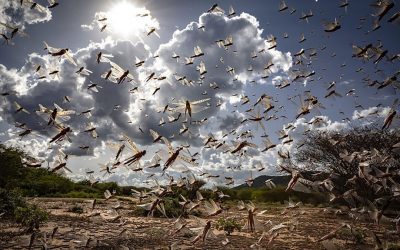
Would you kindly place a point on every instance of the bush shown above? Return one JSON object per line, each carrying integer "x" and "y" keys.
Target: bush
{"x": 393, "y": 246}
{"x": 229, "y": 225}
{"x": 81, "y": 194}
{"x": 355, "y": 234}
{"x": 244, "y": 194}
{"x": 279, "y": 195}
{"x": 188, "y": 234}
{"x": 171, "y": 205}
{"x": 172, "y": 208}
{"x": 15, "y": 208}
{"x": 138, "y": 211}
{"x": 9, "y": 201}
{"x": 76, "y": 209}
{"x": 103, "y": 186}
{"x": 41, "y": 182}
{"x": 30, "y": 216}
{"x": 11, "y": 166}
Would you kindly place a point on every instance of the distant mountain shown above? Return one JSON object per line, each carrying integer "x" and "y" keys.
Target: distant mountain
{"x": 259, "y": 181}
{"x": 283, "y": 180}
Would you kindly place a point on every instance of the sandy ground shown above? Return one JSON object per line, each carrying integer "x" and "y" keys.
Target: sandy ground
{"x": 131, "y": 232}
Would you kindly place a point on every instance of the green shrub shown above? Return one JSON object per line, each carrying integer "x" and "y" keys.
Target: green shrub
{"x": 189, "y": 192}
{"x": 188, "y": 234}
{"x": 276, "y": 195}
{"x": 81, "y": 194}
{"x": 393, "y": 246}
{"x": 172, "y": 208}
{"x": 41, "y": 182}
{"x": 103, "y": 186}
{"x": 355, "y": 234}
{"x": 9, "y": 201}
{"x": 11, "y": 166}
{"x": 244, "y": 194}
{"x": 30, "y": 216}
{"x": 229, "y": 225}
{"x": 14, "y": 207}
{"x": 138, "y": 211}
{"x": 171, "y": 205}
{"x": 76, "y": 209}
{"x": 196, "y": 213}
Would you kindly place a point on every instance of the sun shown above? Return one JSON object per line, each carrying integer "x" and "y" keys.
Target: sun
{"x": 125, "y": 19}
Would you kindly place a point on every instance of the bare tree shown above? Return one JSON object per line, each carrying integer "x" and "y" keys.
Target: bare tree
{"x": 363, "y": 164}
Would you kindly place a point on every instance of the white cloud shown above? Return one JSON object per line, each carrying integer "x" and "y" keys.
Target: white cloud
{"x": 111, "y": 122}
{"x": 14, "y": 14}
{"x": 371, "y": 112}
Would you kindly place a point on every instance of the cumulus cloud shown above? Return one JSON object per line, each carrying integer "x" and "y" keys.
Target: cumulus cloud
{"x": 247, "y": 39}
{"x": 117, "y": 109}
{"x": 371, "y": 112}
{"x": 69, "y": 83}
{"x": 14, "y": 14}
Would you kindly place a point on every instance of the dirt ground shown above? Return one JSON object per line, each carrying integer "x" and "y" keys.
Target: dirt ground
{"x": 131, "y": 232}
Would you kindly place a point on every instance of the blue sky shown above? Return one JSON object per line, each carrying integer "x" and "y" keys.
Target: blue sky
{"x": 73, "y": 25}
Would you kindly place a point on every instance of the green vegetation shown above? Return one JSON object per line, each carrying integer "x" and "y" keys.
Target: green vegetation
{"x": 76, "y": 209}
{"x": 172, "y": 209}
{"x": 393, "y": 246}
{"x": 276, "y": 195}
{"x": 30, "y": 216}
{"x": 355, "y": 234}
{"x": 229, "y": 225}
{"x": 9, "y": 201}
{"x": 14, "y": 207}
{"x": 40, "y": 182}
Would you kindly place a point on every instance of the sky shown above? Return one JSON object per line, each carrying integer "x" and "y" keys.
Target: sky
{"x": 133, "y": 108}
